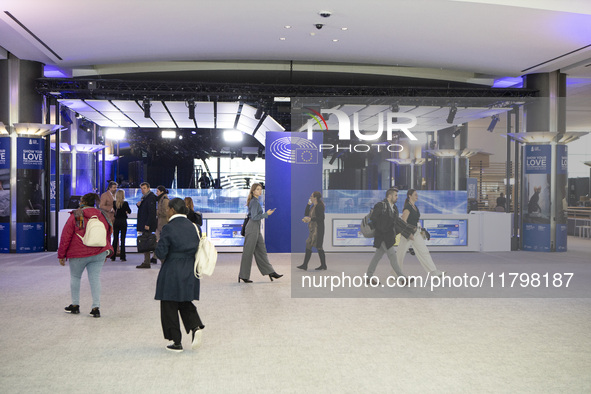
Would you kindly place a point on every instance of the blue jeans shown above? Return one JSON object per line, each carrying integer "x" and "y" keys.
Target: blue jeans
{"x": 93, "y": 265}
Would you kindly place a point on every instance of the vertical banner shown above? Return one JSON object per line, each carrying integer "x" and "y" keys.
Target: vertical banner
{"x": 5, "y": 194}
{"x": 293, "y": 168}
{"x": 30, "y": 217}
{"x": 561, "y": 197}
{"x": 536, "y": 198}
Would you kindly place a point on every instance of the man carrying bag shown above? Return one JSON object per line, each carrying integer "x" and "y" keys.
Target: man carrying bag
{"x": 147, "y": 223}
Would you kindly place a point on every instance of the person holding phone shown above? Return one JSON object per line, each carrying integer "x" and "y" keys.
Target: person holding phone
{"x": 254, "y": 244}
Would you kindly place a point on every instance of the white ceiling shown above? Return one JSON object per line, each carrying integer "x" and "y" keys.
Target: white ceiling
{"x": 460, "y": 40}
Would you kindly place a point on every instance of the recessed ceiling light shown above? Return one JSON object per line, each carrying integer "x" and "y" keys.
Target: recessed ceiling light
{"x": 312, "y": 34}
{"x": 287, "y": 26}
{"x": 335, "y": 40}
{"x": 282, "y": 38}
{"x": 344, "y": 28}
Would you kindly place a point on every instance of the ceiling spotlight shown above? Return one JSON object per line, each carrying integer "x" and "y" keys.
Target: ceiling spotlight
{"x": 169, "y": 134}
{"x": 452, "y": 114}
{"x": 191, "y": 105}
{"x": 78, "y": 116}
{"x": 457, "y": 131}
{"x": 493, "y": 123}
{"x": 232, "y": 136}
{"x": 259, "y": 112}
{"x": 147, "y": 106}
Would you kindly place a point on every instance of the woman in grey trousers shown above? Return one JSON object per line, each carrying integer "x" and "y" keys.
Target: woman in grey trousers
{"x": 254, "y": 244}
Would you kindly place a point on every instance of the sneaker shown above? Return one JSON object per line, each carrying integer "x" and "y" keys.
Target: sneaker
{"x": 197, "y": 337}
{"x": 175, "y": 347}
{"x": 153, "y": 260}
{"x": 95, "y": 312}
{"x": 73, "y": 309}
{"x": 143, "y": 266}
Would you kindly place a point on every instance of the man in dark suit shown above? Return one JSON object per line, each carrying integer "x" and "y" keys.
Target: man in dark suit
{"x": 146, "y": 217}
{"x": 387, "y": 224}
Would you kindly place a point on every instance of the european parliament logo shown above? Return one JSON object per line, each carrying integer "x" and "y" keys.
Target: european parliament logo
{"x": 295, "y": 150}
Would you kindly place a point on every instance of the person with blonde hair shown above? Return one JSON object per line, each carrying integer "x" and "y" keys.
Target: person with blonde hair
{"x": 254, "y": 244}
{"x": 121, "y": 209}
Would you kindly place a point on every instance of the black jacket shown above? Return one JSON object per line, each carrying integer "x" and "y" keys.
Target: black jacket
{"x": 387, "y": 224}
{"x": 176, "y": 248}
{"x": 146, "y": 213}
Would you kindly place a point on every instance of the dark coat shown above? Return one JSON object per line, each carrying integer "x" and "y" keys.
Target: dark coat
{"x": 388, "y": 223}
{"x": 176, "y": 248}
{"x": 318, "y": 218}
{"x": 146, "y": 213}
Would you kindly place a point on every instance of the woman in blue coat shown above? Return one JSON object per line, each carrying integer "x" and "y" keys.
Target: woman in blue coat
{"x": 177, "y": 285}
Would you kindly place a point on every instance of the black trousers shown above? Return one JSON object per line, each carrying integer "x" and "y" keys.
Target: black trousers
{"x": 169, "y": 316}
{"x": 119, "y": 226}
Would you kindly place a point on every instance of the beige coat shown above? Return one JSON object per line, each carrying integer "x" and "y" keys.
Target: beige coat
{"x": 161, "y": 213}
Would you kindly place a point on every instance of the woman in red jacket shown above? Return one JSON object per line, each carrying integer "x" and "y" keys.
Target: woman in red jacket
{"x": 83, "y": 257}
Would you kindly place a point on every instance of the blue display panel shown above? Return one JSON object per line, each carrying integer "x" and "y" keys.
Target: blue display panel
{"x": 446, "y": 202}
{"x": 131, "y": 235}
{"x": 347, "y": 232}
{"x": 446, "y": 232}
{"x": 225, "y": 232}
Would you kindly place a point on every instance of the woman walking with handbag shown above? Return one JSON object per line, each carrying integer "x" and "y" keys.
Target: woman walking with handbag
{"x": 177, "y": 286}
{"x": 314, "y": 217}
{"x": 411, "y": 215}
{"x": 254, "y": 244}
{"x": 122, "y": 209}
{"x": 73, "y": 247}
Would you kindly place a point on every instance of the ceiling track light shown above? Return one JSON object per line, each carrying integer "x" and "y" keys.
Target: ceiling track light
{"x": 147, "y": 106}
{"x": 493, "y": 123}
{"x": 457, "y": 131}
{"x": 259, "y": 113}
{"x": 191, "y": 106}
{"x": 452, "y": 114}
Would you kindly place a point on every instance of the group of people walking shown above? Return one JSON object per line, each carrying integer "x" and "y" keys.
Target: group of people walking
{"x": 176, "y": 225}
{"x": 388, "y": 223}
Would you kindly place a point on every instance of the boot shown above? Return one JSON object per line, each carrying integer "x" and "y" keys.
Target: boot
{"x": 322, "y": 260}
{"x": 306, "y": 260}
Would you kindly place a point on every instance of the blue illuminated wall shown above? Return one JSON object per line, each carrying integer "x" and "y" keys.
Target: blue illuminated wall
{"x": 293, "y": 171}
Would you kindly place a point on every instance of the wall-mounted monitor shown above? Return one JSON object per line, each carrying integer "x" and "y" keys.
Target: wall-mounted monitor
{"x": 225, "y": 232}
{"x": 446, "y": 232}
{"x": 347, "y": 232}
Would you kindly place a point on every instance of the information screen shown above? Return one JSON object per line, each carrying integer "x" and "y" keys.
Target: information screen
{"x": 225, "y": 232}
{"x": 131, "y": 235}
{"x": 347, "y": 232}
{"x": 446, "y": 232}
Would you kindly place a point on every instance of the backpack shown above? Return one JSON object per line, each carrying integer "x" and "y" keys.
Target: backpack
{"x": 96, "y": 233}
{"x": 367, "y": 226}
{"x": 205, "y": 257}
